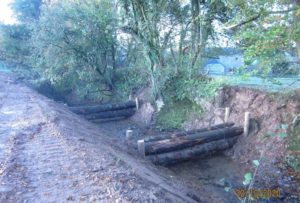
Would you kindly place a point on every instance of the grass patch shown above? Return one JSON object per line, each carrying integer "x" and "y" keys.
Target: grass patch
{"x": 285, "y": 97}
{"x": 174, "y": 114}
{"x": 293, "y": 159}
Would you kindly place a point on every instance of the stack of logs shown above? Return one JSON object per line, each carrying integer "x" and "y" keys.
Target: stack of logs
{"x": 170, "y": 149}
{"x": 107, "y": 112}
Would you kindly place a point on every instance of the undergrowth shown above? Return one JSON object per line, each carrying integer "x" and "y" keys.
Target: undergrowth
{"x": 173, "y": 114}
{"x": 181, "y": 95}
{"x": 127, "y": 80}
{"x": 293, "y": 158}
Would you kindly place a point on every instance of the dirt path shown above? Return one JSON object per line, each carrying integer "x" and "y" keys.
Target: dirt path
{"x": 51, "y": 155}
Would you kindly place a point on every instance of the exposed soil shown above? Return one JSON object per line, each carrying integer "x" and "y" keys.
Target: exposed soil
{"x": 272, "y": 117}
{"x": 49, "y": 154}
{"x": 208, "y": 177}
{"x": 272, "y": 120}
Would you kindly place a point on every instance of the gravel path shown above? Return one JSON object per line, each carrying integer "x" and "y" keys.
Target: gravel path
{"x": 49, "y": 154}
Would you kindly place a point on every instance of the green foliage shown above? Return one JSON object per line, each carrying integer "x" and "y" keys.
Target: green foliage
{"x": 129, "y": 79}
{"x": 15, "y": 50}
{"x": 256, "y": 162}
{"x": 182, "y": 94}
{"x": 181, "y": 91}
{"x": 264, "y": 40}
{"x": 293, "y": 161}
{"x": 14, "y": 41}
{"x": 73, "y": 47}
{"x": 173, "y": 114}
{"x": 181, "y": 87}
{"x": 74, "y": 44}
{"x": 247, "y": 178}
{"x": 172, "y": 33}
{"x": 293, "y": 157}
{"x": 281, "y": 131}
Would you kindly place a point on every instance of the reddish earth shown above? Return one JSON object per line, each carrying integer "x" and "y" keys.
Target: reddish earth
{"x": 272, "y": 117}
{"x": 49, "y": 154}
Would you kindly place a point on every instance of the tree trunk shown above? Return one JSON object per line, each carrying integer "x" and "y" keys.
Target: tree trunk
{"x": 102, "y": 108}
{"x": 184, "y": 133}
{"x": 111, "y": 114}
{"x": 296, "y": 19}
{"x": 198, "y": 151}
{"x": 170, "y": 145}
{"x": 298, "y": 49}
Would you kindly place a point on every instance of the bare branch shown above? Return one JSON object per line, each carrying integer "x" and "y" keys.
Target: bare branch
{"x": 256, "y": 17}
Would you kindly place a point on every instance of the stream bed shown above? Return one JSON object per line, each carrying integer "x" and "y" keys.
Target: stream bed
{"x": 216, "y": 176}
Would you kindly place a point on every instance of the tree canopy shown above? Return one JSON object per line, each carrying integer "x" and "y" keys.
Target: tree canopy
{"x": 102, "y": 49}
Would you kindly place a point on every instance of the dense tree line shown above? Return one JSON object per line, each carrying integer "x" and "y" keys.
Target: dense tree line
{"x": 103, "y": 49}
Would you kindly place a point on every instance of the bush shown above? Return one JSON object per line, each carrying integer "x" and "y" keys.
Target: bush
{"x": 293, "y": 160}
{"x": 182, "y": 96}
{"x": 73, "y": 47}
{"x": 174, "y": 114}
{"x": 128, "y": 80}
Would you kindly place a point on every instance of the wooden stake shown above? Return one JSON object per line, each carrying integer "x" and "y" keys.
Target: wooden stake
{"x": 137, "y": 103}
{"x": 246, "y": 123}
{"x": 227, "y": 111}
{"x": 141, "y": 147}
{"x": 128, "y": 135}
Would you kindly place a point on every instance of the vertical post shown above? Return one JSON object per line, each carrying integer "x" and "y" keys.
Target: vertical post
{"x": 130, "y": 97}
{"x": 246, "y": 123}
{"x": 128, "y": 135}
{"x": 137, "y": 103}
{"x": 141, "y": 147}
{"x": 227, "y": 111}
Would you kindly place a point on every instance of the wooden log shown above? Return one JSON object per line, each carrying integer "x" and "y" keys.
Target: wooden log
{"x": 107, "y": 119}
{"x": 185, "y": 133}
{"x": 111, "y": 114}
{"x": 103, "y": 107}
{"x": 169, "y": 145}
{"x": 198, "y": 151}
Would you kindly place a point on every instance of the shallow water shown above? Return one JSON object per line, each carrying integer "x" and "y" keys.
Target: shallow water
{"x": 210, "y": 176}
{"x": 216, "y": 173}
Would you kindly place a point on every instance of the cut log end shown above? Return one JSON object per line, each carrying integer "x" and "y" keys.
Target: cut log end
{"x": 141, "y": 148}
{"x": 129, "y": 134}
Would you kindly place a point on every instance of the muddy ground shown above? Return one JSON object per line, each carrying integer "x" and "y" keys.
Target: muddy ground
{"x": 49, "y": 154}
{"x": 273, "y": 117}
